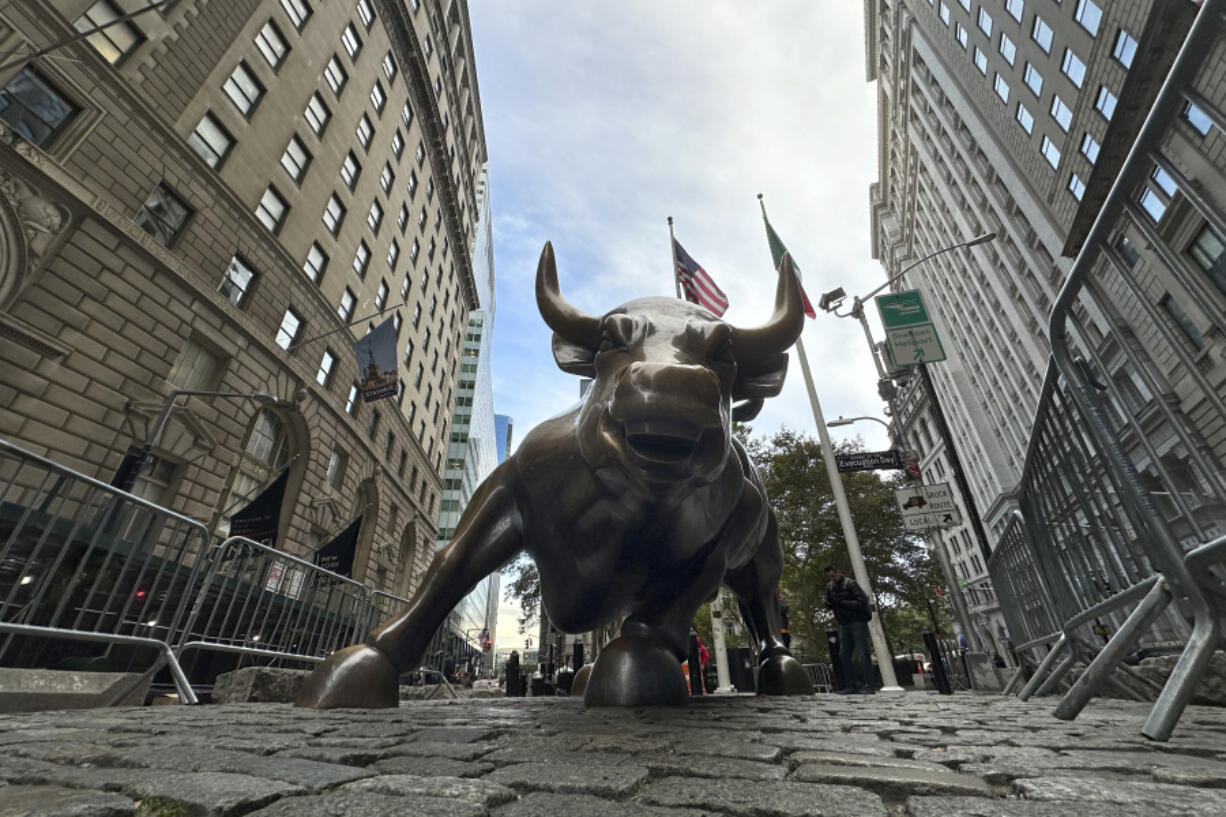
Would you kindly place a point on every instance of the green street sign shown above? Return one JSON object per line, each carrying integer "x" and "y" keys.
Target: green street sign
{"x": 899, "y": 310}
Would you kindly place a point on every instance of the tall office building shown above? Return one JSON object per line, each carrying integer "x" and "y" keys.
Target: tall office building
{"x": 471, "y": 452}
{"x": 221, "y": 197}
{"x": 1014, "y": 117}
{"x": 504, "y": 428}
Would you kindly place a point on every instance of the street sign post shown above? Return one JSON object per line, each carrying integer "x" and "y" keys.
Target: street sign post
{"x": 928, "y": 506}
{"x": 869, "y": 461}
{"x": 909, "y": 332}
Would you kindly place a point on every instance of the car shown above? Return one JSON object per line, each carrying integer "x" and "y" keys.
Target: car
{"x": 486, "y": 683}
{"x": 915, "y": 502}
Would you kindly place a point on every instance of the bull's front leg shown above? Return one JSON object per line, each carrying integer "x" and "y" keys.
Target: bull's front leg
{"x": 366, "y": 675}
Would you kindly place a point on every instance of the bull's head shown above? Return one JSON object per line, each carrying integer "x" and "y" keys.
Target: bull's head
{"x": 666, "y": 373}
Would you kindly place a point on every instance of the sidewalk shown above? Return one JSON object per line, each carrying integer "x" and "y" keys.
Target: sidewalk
{"x": 916, "y": 754}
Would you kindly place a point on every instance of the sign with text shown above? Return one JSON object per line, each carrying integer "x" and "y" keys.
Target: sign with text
{"x": 928, "y": 506}
{"x": 909, "y": 332}
{"x": 869, "y": 461}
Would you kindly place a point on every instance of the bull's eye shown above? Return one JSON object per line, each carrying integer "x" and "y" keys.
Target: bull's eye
{"x": 608, "y": 343}
{"x": 723, "y": 354}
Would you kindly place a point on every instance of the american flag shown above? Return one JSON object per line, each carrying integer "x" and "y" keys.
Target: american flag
{"x": 696, "y": 285}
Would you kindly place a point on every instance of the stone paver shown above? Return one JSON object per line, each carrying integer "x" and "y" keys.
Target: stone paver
{"x": 911, "y": 755}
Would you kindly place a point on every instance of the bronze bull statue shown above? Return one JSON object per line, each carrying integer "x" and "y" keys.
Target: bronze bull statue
{"x": 637, "y": 502}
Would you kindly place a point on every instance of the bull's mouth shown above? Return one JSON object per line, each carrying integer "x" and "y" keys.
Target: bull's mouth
{"x": 662, "y": 443}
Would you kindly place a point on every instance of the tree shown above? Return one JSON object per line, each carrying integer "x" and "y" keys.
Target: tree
{"x": 902, "y": 573}
{"x": 524, "y": 583}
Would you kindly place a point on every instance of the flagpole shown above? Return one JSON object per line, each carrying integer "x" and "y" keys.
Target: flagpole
{"x": 672, "y": 248}
{"x": 885, "y": 661}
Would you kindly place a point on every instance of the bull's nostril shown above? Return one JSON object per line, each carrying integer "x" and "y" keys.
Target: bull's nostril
{"x": 661, "y": 448}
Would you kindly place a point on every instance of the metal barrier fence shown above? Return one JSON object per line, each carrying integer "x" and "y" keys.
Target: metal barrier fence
{"x": 255, "y": 600}
{"x": 1126, "y": 469}
{"x": 81, "y": 561}
{"x": 821, "y": 676}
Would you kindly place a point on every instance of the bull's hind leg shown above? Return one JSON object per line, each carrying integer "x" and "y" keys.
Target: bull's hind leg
{"x": 642, "y": 666}
{"x": 756, "y": 584}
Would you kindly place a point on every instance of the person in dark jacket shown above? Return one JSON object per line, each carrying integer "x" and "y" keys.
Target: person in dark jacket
{"x": 851, "y": 609}
{"x": 513, "y": 688}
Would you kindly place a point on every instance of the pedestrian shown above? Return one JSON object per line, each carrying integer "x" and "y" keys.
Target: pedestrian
{"x": 704, "y": 658}
{"x": 513, "y": 675}
{"x": 784, "y": 632}
{"x": 851, "y": 609}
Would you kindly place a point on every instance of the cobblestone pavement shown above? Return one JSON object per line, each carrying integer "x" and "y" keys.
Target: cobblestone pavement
{"x": 917, "y": 754}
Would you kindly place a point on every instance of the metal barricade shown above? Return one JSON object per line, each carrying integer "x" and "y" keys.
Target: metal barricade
{"x": 821, "y": 676}
{"x": 384, "y": 607}
{"x": 256, "y": 601}
{"x": 81, "y": 561}
{"x": 1125, "y": 469}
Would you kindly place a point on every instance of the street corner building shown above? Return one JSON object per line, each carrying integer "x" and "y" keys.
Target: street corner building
{"x": 207, "y": 197}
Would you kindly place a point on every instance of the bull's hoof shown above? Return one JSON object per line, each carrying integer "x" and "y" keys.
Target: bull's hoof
{"x": 579, "y": 685}
{"x": 358, "y": 677}
{"x": 636, "y": 671}
{"x": 783, "y": 675}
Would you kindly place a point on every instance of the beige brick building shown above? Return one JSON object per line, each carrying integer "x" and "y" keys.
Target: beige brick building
{"x": 1014, "y": 117}
{"x": 202, "y": 198}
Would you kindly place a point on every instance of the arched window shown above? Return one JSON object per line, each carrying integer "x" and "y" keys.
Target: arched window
{"x": 408, "y": 561}
{"x": 267, "y": 452}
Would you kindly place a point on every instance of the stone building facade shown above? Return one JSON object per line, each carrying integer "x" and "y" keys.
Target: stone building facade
{"x": 207, "y": 197}
{"x": 1014, "y": 117}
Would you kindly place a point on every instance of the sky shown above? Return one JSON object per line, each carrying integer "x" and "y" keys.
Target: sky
{"x": 603, "y": 119}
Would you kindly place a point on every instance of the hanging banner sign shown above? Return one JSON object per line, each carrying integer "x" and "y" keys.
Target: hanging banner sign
{"x": 376, "y": 355}
{"x": 337, "y": 555}
{"x": 258, "y": 520}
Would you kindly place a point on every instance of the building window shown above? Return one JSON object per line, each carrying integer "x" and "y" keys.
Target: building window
{"x": 421, "y": 218}
{"x": 389, "y": 67}
{"x": 1089, "y": 15}
{"x": 334, "y": 214}
{"x": 33, "y": 107}
{"x": 414, "y": 251}
{"x": 412, "y": 185}
{"x": 296, "y": 158}
{"x": 393, "y": 255}
{"x": 1105, "y": 102}
{"x": 196, "y": 368}
{"x": 1002, "y": 88}
{"x": 163, "y": 215}
{"x": 374, "y": 217}
{"x": 272, "y": 209}
{"x": 381, "y": 296}
{"x": 1153, "y": 204}
{"x": 1125, "y": 48}
{"x": 351, "y": 402}
{"x": 1007, "y": 49}
{"x": 236, "y": 283}
{"x": 1050, "y": 152}
{"x": 377, "y": 97}
{"x": 116, "y": 40}
{"x": 1127, "y": 251}
{"x": 327, "y": 365}
{"x": 1033, "y": 79}
{"x": 317, "y": 114}
{"x": 1182, "y": 320}
{"x": 404, "y": 286}
{"x": 387, "y": 178}
{"x": 1089, "y": 148}
{"x": 336, "y": 467}
{"x": 1197, "y": 118}
{"x": 288, "y": 331}
{"x": 335, "y": 74}
{"x": 1041, "y": 33}
{"x": 1015, "y": 9}
{"x": 351, "y": 41}
{"x": 960, "y": 34}
{"x": 1061, "y": 113}
{"x": 243, "y": 89}
{"x": 1164, "y": 181}
{"x": 1076, "y": 186}
{"x": 403, "y": 217}
{"x": 397, "y": 143}
{"x": 347, "y": 305}
{"x": 408, "y": 352}
{"x": 1024, "y": 118}
{"x": 372, "y": 424}
{"x": 272, "y": 45}
{"x": 981, "y": 61}
{"x": 421, "y": 152}
{"x": 1073, "y": 67}
{"x": 406, "y": 114}
{"x": 315, "y": 264}
{"x": 1209, "y": 250}
{"x": 298, "y": 12}
{"x": 985, "y": 22}
{"x": 211, "y": 141}
{"x": 361, "y": 259}
{"x": 350, "y": 170}
{"x": 430, "y": 189}
{"x": 366, "y": 13}
{"x": 365, "y": 131}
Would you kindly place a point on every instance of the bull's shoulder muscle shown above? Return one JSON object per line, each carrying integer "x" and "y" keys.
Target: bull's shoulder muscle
{"x": 548, "y": 448}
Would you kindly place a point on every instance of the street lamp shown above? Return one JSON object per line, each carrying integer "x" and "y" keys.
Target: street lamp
{"x": 130, "y": 468}
{"x": 846, "y": 421}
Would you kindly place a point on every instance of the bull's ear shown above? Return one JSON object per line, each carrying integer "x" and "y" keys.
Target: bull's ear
{"x": 761, "y": 378}
{"x": 573, "y": 358}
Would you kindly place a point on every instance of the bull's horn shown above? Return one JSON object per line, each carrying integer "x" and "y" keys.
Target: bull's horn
{"x": 569, "y": 323}
{"x": 784, "y": 327}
